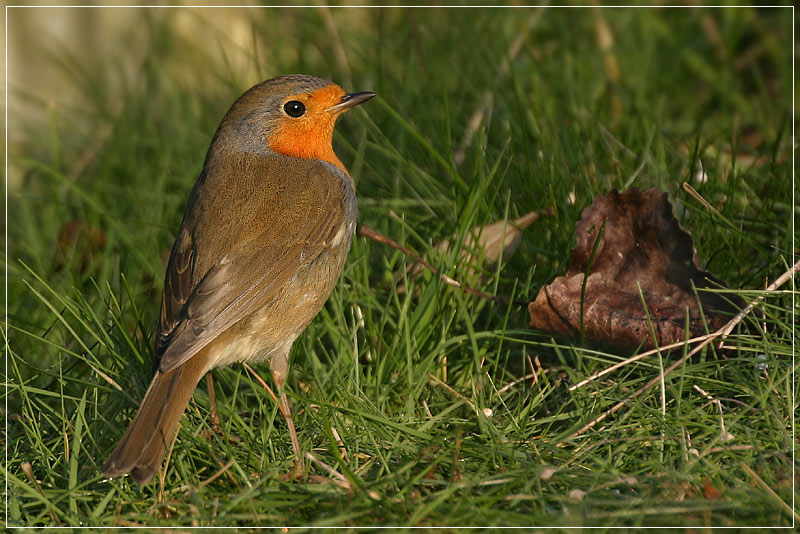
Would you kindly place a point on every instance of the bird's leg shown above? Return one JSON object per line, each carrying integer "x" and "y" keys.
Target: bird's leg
{"x": 212, "y": 400}
{"x": 298, "y": 471}
{"x": 279, "y": 365}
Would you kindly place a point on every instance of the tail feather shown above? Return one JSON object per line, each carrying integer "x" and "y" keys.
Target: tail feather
{"x": 142, "y": 448}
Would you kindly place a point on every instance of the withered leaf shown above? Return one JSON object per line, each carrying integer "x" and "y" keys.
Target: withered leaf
{"x": 497, "y": 241}
{"x": 642, "y": 244}
{"x": 484, "y": 246}
{"x": 709, "y": 491}
{"x": 79, "y": 240}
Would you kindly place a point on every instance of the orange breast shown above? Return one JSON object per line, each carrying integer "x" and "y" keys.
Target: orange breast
{"x": 310, "y": 136}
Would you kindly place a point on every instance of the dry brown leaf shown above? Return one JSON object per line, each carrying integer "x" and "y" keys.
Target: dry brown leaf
{"x": 709, "y": 491}
{"x": 496, "y": 242}
{"x": 642, "y": 245}
{"x": 81, "y": 240}
{"x": 485, "y": 246}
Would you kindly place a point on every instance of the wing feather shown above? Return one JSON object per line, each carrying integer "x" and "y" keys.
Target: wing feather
{"x": 204, "y": 297}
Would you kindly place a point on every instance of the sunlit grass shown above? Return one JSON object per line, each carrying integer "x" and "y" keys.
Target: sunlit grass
{"x": 421, "y": 386}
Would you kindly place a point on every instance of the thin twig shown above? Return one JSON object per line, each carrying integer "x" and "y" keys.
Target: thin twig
{"x": 515, "y": 382}
{"x": 639, "y": 357}
{"x": 225, "y": 471}
{"x": 364, "y": 466}
{"x": 337, "y": 478}
{"x": 339, "y": 443}
{"x": 721, "y": 333}
{"x": 264, "y": 385}
{"x": 706, "y": 204}
{"x": 340, "y": 478}
{"x": 643, "y": 355}
{"x": 724, "y": 435}
{"x": 469, "y": 403}
{"x": 216, "y": 475}
{"x": 366, "y": 231}
{"x": 427, "y": 409}
{"x": 726, "y": 448}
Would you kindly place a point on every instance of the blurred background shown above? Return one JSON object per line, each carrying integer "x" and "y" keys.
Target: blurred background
{"x": 49, "y": 46}
{"x": 481, "y": 115}
{"x": 522, "y": 77}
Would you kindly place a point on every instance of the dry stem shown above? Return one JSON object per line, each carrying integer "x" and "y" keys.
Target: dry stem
{"x": 721, "y": 333}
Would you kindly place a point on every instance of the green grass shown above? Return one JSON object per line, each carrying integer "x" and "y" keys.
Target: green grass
{"x": 699, "y": 90}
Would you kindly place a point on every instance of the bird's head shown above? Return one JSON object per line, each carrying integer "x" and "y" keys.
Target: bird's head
{"x": 292, "y": 115}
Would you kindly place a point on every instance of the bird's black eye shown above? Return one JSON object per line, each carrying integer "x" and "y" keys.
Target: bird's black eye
{"x": 294, "y": 108}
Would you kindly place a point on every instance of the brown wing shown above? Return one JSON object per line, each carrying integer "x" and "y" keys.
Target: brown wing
{"x": 224, "y": 268}
{"x": 177, "y": 289}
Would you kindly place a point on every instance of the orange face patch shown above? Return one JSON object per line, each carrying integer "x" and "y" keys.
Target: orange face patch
{"x": 310, "y": 135}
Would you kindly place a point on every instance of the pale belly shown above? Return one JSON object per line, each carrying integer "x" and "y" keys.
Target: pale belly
{"x": 272, "y": 329}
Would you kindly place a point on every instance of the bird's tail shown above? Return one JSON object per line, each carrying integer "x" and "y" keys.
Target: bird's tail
{"x": 141, "y": 449}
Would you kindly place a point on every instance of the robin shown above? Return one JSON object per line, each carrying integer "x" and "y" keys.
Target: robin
{"x": 264, "y": 238}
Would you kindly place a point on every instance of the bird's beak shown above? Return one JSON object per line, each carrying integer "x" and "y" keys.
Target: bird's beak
{"x": 349, "y": 100}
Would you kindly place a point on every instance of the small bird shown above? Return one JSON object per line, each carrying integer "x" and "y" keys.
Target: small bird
{"x": 263, "y": 241}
